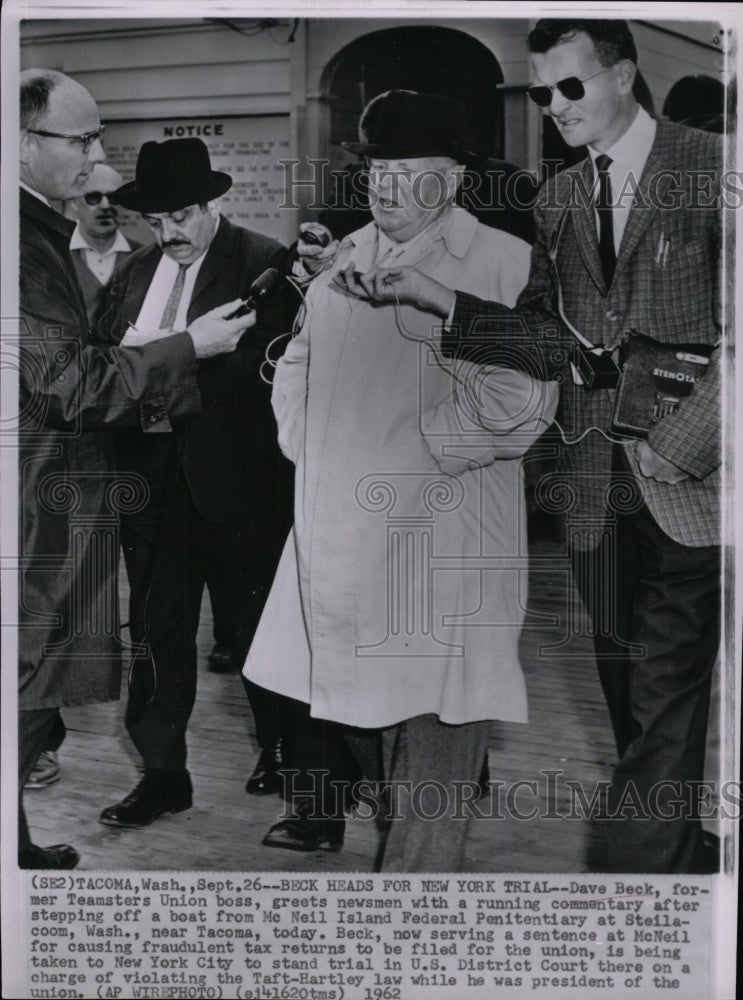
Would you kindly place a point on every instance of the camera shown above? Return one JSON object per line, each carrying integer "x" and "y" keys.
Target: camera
{"x": 597, "y": 368}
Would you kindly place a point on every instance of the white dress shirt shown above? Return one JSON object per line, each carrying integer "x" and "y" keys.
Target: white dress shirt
{"x": 628, "y": 155}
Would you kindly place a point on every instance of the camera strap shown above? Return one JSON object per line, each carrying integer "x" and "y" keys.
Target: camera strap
{"x": 552, "y": 254}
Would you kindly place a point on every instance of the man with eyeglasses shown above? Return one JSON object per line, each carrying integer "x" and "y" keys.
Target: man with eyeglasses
{"x": 98, "y": 246}
{"x": 628, "y": 241}
{"x": 70, "y": 393}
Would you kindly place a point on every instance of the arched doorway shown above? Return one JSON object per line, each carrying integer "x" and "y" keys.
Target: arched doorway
{"x": 425, "y": 58}
{"x": 420, "y": 57}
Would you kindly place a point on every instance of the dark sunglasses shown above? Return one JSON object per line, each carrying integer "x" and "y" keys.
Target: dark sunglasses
{"x": 571, "y": 88}
{"x": 95, "y": 197}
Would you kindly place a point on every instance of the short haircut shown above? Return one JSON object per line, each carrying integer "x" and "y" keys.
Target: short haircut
{"x": 36, "y": 86}
{"x": 612, "y": 40}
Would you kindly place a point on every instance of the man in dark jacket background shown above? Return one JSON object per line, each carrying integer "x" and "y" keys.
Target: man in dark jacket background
{"x": 70, "y": 391}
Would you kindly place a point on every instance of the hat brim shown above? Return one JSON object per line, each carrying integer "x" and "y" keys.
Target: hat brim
{"x": 128, "y": 196}
{"x": 383, "y": 151}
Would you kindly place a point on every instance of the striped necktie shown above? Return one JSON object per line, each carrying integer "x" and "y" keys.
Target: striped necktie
{"x": 174, "y": 299}
{"x": 607, "y": 251}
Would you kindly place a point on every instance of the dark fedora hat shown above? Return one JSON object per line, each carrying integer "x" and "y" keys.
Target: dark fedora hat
{"x": 402, "y": 123}
{"x": 171, "y": 175}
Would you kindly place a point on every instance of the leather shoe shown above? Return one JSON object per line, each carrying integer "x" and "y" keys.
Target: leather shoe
{"x": 221, "y": 660}
{"x": 59, "y": 857}
{"x": 307, "y": 834}
{"x": 266, "y": 778}
{"x": 158, "y": 792}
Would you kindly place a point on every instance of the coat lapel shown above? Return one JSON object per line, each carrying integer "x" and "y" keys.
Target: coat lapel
{"x": 584, "y": 223}
{"x": 652, "y": 188}
{"x": 215, "y": 259}
{"x": 143, "y": 271}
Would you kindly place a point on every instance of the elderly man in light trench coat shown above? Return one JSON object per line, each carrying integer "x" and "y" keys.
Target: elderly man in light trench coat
{"x": 395, "y": 613}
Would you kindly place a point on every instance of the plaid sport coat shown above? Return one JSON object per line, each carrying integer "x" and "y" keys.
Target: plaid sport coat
{"x": 672, "y": 295}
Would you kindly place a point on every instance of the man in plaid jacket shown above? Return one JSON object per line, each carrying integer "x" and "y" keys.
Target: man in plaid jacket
{"x": 642, "y": 517}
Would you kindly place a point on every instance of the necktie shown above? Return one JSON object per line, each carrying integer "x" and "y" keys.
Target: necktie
{"x": 607, "y": 252}
{"x": 174, "y": 299}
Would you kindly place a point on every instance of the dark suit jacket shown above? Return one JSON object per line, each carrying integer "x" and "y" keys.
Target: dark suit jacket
{"x": 676, "y": 301}
{"x": 94, "y": 293}
{"x": 229, "y": 453}
{"x": 69, "y": 392}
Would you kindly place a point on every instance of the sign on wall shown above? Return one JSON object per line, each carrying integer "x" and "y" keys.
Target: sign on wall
{"x": 248, "y": 148}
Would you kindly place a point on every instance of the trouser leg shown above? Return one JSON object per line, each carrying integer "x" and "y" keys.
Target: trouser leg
{"x": 167, "y": 582}
{"x": 655, "y": 610}
{"x": 425, "y": 762}
{"x": 276, "y": 717}
{"x": 322, "y": 769}
{"x": 606, "y": 585}
{"x": 57, "y": 733}
{"x": 34, "y": 728}
{"x": 676, "y": 623}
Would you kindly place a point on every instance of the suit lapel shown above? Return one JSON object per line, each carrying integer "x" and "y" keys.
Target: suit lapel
{"x": 584, "y": 223}
{"x": 651, "y": 191}
{"x": 143, "y": 271}
{"x": 214, "y": 261}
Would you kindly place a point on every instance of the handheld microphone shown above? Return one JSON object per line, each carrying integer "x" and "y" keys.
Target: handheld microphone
{"x": 261, "y": 289}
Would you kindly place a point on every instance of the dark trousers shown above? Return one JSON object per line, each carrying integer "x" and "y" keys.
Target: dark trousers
{"x": 655, "y": 606}
{"x": 421, "y": 764}
{"x": 170, "y": 553}
{"x": 34, "y": 729}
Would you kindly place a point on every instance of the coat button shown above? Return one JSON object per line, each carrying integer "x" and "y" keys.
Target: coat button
{"x": 612, "y": 315}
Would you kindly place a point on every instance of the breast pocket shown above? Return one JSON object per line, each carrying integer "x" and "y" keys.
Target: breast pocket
{"x": 680, "y": 289}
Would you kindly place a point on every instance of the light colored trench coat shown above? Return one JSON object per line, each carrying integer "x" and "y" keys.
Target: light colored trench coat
{"x": 399, "y": 591}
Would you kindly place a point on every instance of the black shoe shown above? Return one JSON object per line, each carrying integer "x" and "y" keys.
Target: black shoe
{"x": 221, "y": 659}
{"x": 59, "y": 857}
{"x": 307, "y": 835}
{"x": 158, "y": 792}
{"x": 266, "y": 779}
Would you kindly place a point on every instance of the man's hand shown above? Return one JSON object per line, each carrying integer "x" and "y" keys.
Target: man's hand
{"x": 654, "y": 466}
{"x": 398, "y": 284}
{"x": 315, "y": 246}
{"x": 214, "y": 334}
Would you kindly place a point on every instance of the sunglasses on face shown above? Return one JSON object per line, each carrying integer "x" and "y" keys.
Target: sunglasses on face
{"x": 86, "y": 139}
{"x": 95, "y": 197}
{"x": 571, "y": 88}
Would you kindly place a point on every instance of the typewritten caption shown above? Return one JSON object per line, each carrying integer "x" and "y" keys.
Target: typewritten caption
{"x": 362, "y": 937}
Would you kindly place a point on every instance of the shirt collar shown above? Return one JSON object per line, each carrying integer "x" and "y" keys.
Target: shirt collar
{"x": 632, "y": 149}
{"x": 120, "y": 244}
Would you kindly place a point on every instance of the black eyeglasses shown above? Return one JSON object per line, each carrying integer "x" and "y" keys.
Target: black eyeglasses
{"x": 571, "y": 88}
{"x": 95, "y": 197}
{"x": 86, "y": 139}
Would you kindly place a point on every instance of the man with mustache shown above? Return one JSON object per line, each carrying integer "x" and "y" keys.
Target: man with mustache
{"x": 220, "y": 493}
{"x": 98, "y": 246}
